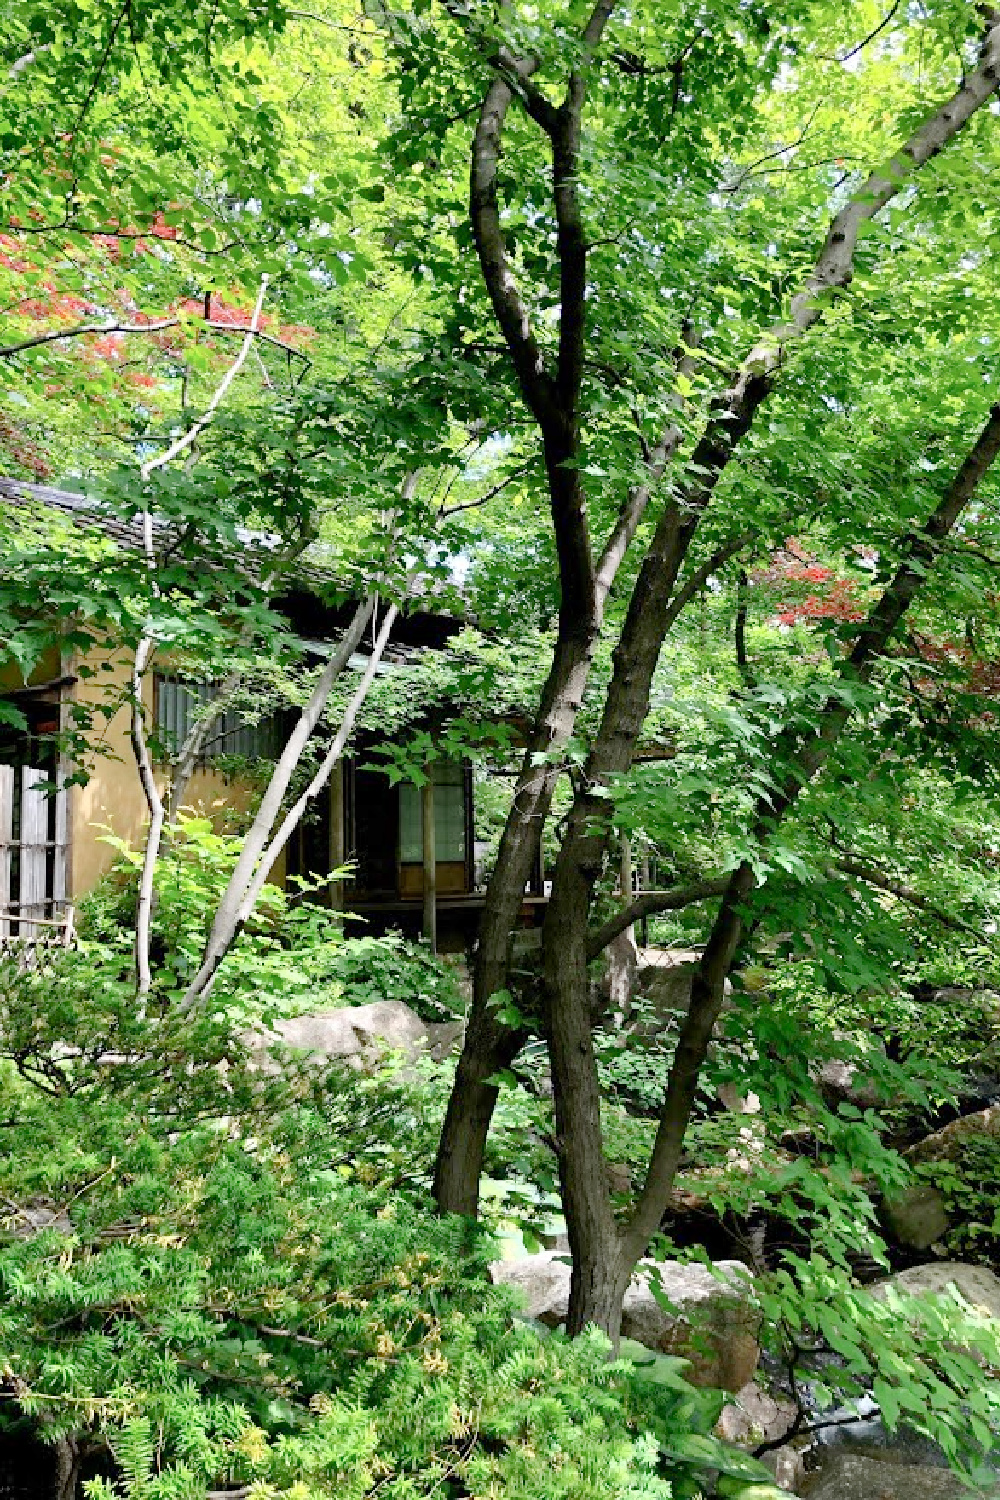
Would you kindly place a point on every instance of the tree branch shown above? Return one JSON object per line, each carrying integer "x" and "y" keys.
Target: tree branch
{"x": 872, "y": 641}
{"x": 648, "y": 904}
{"x": 870, "y": 876}
{"x": 508, "y": 305}
{"x": 697, "y": 580}
{"x": 55, "y": 334}
{"x": 454, "y": 510}
{"x": 140, "y": 747}
{"x": 198, "y": 427}
{"x": 860, "y": 46}
{"x": 637, "y": 500}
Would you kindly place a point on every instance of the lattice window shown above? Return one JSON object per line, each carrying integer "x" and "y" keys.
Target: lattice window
{"x": 449, "y": 816}
{"x": 176, "y": 704}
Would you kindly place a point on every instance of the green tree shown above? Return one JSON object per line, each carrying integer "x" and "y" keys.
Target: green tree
{"x": 614, "y": 101}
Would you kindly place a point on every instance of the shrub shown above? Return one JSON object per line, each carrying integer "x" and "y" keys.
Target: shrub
{"x": 226, "y": 1279}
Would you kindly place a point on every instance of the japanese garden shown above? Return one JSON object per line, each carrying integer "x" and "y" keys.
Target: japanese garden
{"x": 499, "y": 765}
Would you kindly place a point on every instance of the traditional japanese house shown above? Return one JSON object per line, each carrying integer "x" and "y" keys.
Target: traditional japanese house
{"x": 411, "y": 848}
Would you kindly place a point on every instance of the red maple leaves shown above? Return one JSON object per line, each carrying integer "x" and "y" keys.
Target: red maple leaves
{"x": 791, "y": 570}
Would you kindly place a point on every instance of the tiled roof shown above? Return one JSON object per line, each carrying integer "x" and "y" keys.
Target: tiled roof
{"x": 309, "y": 581}
{"x": 88, "y": 510}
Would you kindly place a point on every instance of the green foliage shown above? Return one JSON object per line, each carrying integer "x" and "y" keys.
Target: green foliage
{"x": 970, "y": 1184}
{"x": 390, "y": 968}
{"x": 932, "y": 1363}
{"x": 221, "y": 1275}
{"x": 284, "y": 958}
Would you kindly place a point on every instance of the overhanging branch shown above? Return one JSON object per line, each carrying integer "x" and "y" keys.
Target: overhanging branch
{"x": 650, "y": 904}
{"x": 857, "y": 870}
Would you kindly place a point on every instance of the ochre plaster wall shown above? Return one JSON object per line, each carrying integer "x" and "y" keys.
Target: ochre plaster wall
{"x": 48, "y": 669}
{"x": 112, "y": 800}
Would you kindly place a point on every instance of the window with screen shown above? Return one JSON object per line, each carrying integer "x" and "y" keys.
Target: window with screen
{"x": 177, "y": 702}
{"x": 449, "y": 816}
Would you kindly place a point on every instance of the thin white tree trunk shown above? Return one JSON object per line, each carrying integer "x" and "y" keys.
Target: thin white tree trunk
{"x": 229, "y": 915}
{"x": 140, "y": 662}
{"x": 292, "y": 818}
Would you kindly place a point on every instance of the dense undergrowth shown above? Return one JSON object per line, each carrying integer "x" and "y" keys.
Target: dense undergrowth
{"x": 228, "y": 1278}
{"x": 232, "y": 1280}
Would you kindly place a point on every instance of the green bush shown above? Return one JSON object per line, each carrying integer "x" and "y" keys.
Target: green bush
{"x": 230, "y": 1280}
{"x": 390, "y": 968}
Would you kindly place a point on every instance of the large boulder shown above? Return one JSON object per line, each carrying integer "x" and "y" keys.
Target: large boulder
{"x": 542, "y": 1281}
{"x": 977, "y": 1285}
{"x": 711, "y": 1324}
{"x": 948, "y": 1144}
{"x": 359, "y": 1035}
{"x": 843, "y": 1082}
{"x": 853, "y": 1476}
{"x": 445, "y": 1038}
{"x": 916, "y": 1216}
{"x": 663, "y": 978}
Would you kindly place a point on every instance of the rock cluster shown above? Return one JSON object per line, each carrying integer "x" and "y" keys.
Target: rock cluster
{"x": 363, "y": 1035}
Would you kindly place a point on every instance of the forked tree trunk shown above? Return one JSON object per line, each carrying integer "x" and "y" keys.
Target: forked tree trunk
{"x": 586, "y": 1201}
{"x": 490, "y": 1046}
{"x": 554, "y": 403}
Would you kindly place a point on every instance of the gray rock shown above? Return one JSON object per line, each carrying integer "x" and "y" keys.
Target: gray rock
{"x": 843, "y": 1083}
{"x": 788, "y": 1467}
{"x": 542, "y": 1280}
{"x": 23, "y": 1223}
{"x": 916, "y": 1216}
{"x": 977, "y": 1285}
{"x": 947, "y": 1144}
{"x": 621, "y": 963}
{"x": 851, "y": 1476}
{"x": 444, "y": 1038}
{"x": 714, "y": 1326}
{"x": 358, "y": 1035}
{"x": 663, "y": 977}
{"x": 755, "y": 1416}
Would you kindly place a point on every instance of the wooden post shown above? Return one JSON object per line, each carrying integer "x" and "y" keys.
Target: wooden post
{"x": 430, "y": 863}
{"x": 338, "y": 838}
{"x": 6, "y": 844}
{"x": 626, "y": 876}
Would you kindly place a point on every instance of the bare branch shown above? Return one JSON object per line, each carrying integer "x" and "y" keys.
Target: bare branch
{"x": 140, "y": 747}
{"x": 732, "y": 187}
{"x": 92, "y": 91}
{"x": 860, "y": 46}
{"x": 55, "y": 334}
{"x": 292, "y": 818}
{"x": 198, "y": 427}
{"x": 697, "y": 580}
{"x": 154, "y": 804}
{"x": 638, "y": 497}
{"x": 454, "y": 510}
{"x": 227, "y": 916}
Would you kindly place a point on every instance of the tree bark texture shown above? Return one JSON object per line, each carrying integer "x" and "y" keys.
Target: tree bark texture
{"x": 647, "y": 621}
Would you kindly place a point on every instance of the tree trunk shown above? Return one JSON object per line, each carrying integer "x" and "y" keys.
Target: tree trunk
{"x": 490, "y": 1046}
{"x": 595, "y": 1289}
